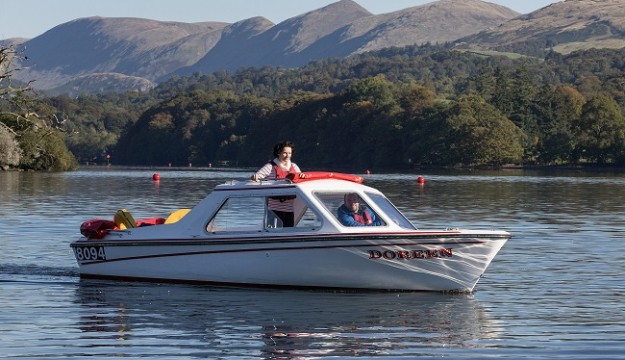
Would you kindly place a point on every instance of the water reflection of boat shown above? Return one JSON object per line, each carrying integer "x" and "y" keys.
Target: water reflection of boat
{"x": 210, "y": 322}
{"x": 235, "y": 236}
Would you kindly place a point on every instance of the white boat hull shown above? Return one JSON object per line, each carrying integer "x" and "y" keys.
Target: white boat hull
{"x": 414, "y": 261}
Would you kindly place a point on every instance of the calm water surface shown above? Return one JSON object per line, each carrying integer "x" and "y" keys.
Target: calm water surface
{"x": 555, "y": 291}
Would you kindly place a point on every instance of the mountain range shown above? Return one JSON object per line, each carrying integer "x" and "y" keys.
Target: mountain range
{"x": 97, "y": 54}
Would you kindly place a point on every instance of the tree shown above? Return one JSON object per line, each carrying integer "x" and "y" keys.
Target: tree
{"x": 376, "y": 91}
{"x": 25, "y": 121}
{"x": 10, "y": 152}
{"x": 557, "y": 110}
{"x": 483, "y": 83}
{"x": 600, "y": 130}
{"x": 44, "y": 149}
{"x": 469, "y": 132}
{"x": 504, "y": 96}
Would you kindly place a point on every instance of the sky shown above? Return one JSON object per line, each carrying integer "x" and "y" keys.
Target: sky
{"x": 30, "y": 18}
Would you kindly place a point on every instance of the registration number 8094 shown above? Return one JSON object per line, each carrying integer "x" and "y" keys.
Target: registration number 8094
{"x": 89, "y": 253}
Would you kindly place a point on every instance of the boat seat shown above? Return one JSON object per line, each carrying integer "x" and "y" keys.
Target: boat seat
{"x": 176, "y": 215}
{"x": 124, "y": 220}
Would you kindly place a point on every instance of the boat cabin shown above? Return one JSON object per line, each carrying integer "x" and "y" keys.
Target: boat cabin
{"x": 248, "y": 206}
{"x": 242, "y": 208}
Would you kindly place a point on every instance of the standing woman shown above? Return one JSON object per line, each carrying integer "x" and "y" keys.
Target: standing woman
{"x": 280, "y": 167}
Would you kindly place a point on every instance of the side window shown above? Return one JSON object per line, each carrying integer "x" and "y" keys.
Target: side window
{"x": 245, "y": 214}
{"x": 307, "y": 219}
{"x": 239, "y": 214}
{"x": 291, "y": 212}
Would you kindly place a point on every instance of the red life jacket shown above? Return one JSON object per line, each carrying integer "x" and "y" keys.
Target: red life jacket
{"x": 275, "y": 202}
{"x": 280, "y": 173}
{"x": 364, "y": 219}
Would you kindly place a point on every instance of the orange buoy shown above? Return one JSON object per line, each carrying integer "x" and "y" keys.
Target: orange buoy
{"x": 156, "y": 177}
{"x": 421, "y": 180}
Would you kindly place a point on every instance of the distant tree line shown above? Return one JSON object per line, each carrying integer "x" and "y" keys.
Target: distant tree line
{"x": 393, "y": 109}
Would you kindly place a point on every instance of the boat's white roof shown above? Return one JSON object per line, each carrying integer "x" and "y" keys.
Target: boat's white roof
{"x": 311, "y": 185}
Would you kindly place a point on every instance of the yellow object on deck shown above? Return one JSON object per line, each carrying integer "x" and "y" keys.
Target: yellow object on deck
{"x": 176, "y": 215}
{"x": 124, "y": 220}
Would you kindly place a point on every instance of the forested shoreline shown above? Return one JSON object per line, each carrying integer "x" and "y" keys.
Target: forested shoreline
{"x": 427, "y": 106}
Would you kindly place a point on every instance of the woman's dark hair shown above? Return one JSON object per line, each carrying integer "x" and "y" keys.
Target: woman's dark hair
{"x": 277, "y": 149}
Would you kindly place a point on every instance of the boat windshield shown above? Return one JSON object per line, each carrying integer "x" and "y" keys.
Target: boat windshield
{"x": 391, "y": 211}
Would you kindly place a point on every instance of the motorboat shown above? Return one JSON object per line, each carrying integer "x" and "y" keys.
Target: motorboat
{"x": 233, "y": 237}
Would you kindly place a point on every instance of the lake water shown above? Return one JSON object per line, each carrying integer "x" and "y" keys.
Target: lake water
{"x": 555, "y": 291}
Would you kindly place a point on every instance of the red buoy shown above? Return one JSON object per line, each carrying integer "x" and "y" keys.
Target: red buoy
{"x": 421, "y": 180}
{"x": 156, "y": 177}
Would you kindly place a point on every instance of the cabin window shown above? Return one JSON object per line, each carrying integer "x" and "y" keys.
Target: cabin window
{"x": 261, "y": 213}
{"x": 306, "y": 218}
{"x": 239, "y": 214}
